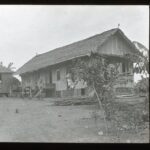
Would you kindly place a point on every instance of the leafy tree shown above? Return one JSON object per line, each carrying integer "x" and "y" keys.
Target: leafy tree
{"x": 100, "y": 75}
{"x": 141, "y": 62}
{"x": 142, "y": 66}
{"x": 10, "y": 65}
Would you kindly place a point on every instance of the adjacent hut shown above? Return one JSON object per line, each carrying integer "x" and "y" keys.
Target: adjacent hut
{"x": 5, "y": 80}
{"x": 9, "y": 85}
{"x": 49, "y": 70}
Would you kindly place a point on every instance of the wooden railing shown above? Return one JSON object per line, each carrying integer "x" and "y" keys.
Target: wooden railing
{"x": 125, "y": 78}
{"x": 126, "y": 74}
{"x": 124, "y": 84}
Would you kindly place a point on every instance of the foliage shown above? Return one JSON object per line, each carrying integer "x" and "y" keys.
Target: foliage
{"x": 14, "y": 83}
{"x": 10, "y": 65}
{"x": 141, "y": 62}
{"x": 99, "y": 74}
{"x": 142, "y": 86}
{"x": 128, "y": 117}
{"x": 142, "y": 66}
{"x": 96, "y": 71}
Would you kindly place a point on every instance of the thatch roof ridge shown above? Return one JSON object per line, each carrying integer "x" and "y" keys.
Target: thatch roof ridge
{"x": 85, "y": 39}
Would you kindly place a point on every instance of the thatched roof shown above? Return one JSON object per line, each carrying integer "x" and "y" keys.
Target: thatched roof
{"x": 4, "y": 69}
{"x": 77, "y": 49}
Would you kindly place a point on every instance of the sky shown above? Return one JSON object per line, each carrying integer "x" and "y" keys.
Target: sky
{"x": 27, "y": 30}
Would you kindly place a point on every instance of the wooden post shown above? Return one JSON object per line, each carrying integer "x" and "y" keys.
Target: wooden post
{"x": 30, "y": 93}
{"x": 10, "y": 92}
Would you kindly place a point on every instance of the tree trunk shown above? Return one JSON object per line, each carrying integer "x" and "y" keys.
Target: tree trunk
{"x": 101, "y": 107}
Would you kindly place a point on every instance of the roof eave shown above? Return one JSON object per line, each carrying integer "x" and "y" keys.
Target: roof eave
{"x": 30, "y": 71}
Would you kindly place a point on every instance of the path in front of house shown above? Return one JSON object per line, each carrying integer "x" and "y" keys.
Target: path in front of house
{"x": 39, "y": 121}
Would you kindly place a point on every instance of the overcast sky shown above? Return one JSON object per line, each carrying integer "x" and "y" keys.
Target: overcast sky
{"x": 26, "y": 30}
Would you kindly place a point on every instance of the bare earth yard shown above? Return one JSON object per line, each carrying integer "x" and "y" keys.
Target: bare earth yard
{"x": 40, "y": 121}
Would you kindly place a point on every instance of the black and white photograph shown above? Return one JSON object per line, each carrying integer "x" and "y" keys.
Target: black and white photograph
{"x": 74, "y": 73}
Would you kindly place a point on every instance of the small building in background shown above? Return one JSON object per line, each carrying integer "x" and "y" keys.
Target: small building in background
{"x": 8, "y": 83}
{"x": 5, "y": 80}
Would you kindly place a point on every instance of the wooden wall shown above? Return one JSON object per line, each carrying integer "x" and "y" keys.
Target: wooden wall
{"x": 5, "y": 85}
{"x": 116, "y": 45}
{"x": 41, "y": 78}
{"x": 62, "y": 83}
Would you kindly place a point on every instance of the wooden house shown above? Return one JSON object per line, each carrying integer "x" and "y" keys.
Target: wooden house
{"x": 5, "y": 80}
{"x": 49, "y": 70}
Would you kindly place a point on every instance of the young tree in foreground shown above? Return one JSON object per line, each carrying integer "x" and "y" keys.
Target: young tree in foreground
{"x": 99, "y": 75}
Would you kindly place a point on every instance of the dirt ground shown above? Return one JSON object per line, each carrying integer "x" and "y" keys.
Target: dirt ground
{"x": 24, "y": 120}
